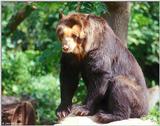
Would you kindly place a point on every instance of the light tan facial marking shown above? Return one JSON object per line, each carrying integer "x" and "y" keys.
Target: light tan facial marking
{"x": 71, "y": 39}
{"x": 68, "y": 44}
{"x": 67, "y": 32}
{"x": 76, "y": 30}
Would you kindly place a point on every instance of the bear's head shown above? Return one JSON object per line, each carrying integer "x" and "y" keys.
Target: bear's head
{"x": 79, "y": 33}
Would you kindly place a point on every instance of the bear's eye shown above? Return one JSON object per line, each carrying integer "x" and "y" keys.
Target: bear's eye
{"x": 74, "y": 36}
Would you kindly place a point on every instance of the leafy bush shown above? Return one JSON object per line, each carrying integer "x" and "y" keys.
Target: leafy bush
{"x": 154, "y": 114}
{"x": 22, "y": 75}
{"x": 143, "y": 37}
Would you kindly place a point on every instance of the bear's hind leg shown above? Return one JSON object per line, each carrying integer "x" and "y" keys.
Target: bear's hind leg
{"x": 122, "y": 96}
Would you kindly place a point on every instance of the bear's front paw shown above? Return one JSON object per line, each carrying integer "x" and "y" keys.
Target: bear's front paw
{"x": 80, "y": 110}
{"x": 63, "y": 111}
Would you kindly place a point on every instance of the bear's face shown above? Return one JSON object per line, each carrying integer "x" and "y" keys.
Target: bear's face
{"x": 71, "y": 35}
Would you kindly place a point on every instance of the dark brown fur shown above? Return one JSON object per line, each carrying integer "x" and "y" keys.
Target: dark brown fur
{"x": 116, "y": 87}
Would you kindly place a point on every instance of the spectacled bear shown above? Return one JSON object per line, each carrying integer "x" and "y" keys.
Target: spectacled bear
{"x": 116, "y": 87}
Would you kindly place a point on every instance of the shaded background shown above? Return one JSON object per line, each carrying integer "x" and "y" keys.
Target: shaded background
{"x": 31, "y": 52}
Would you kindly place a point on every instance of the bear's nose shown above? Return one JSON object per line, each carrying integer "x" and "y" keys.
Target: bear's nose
{"x": 65, "y": 48}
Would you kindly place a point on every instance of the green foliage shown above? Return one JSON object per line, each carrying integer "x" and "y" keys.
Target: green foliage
{"x": 31, "y": 55}
{"x": 80, "y": 94}
{"x": 143, "y": 32}
{"x": 154, "y": 114}
{"x": 23, "y": 74}
{"x": 45, "y": 90}
{"x": 143, "y": 38}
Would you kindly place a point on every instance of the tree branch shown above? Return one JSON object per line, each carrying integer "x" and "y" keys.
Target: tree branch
{"x": 78, "y": 6}
{"x": 18, "y": 18}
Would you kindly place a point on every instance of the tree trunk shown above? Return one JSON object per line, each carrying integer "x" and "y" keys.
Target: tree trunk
{"x": 118, "y": 18}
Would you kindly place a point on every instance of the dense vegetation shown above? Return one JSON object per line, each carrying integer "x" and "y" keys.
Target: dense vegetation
{"x": 31, "y": 53}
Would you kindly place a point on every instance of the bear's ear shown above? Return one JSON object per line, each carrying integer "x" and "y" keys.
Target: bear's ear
{"x": 61, "y": 15}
